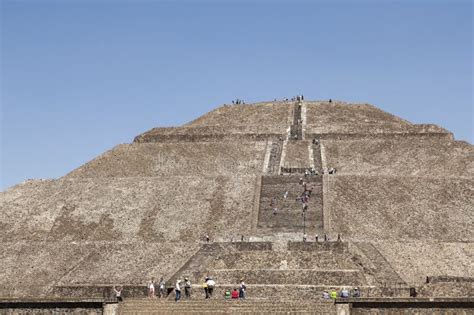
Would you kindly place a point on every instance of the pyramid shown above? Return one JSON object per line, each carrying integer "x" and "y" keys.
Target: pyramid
{"x": 401, "y": 200}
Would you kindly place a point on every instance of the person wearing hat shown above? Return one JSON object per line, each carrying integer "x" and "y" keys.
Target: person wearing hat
{"x": 187, "y": 288}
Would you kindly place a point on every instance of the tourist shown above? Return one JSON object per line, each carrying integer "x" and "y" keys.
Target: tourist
{"x": 285, "y": 195}
{"x": 162, "y": 288}
{"x": 118, "y": 293}
{"x": 330, "y": 100}
{"x": 235, "y": 294}
{"x": 333, "y": 294}
{"x": 210, "y": 286}
{"x": 242, "y": 238}
{"x": 207, "y": 238}
{"x": 206, "y": 289}
{"x": 325, "y": 295}
{"x": 274, "y": 210}
{"x": 344, "y": 293}
{"x": 177, "y": 290}
{"x": 151, "y": 288}
{"x": 339, "y": 237}
{"x": 304, "y": 237}
{"x": 317, "y": 238}
{"x": 242, "y": 289}
{"x": 187, "y": 288}
{"x": 227, "y": 295}
{"x": 355, "y": 293}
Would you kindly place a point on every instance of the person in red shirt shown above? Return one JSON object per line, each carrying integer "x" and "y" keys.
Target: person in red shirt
{"x": 235, "y": 294}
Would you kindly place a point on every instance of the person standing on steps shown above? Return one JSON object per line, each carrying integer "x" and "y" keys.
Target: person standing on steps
{"x": 206, "y": 289}
{"x": 210, "y": 286}
{"x": 187, "y": 288}
{"x": 151, "y": 288}
{"x": 242, "y": 289}
{"x": 177, "y": 290}
{"x": 162, "y": 288}
{"x": 118, "y": 293}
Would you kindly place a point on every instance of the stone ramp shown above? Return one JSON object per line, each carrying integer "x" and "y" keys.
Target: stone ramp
{"x": 381, "y": 268}
{"x": 220, "y": 306}
{"x": 275, "y": 157}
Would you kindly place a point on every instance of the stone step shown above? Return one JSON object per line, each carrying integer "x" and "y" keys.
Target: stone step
{"x": 290, "y": 179}
{"x": 148, "y": 306}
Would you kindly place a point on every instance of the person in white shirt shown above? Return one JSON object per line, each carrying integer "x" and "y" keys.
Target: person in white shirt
{"x": 210, "y": 286}
{"x": 151, "y": 288}
{"x": 177, "y": 290}
{"x": 118, "y": 293}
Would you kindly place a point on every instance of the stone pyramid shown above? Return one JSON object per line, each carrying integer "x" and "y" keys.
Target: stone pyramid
{"x": 401, "y": 199}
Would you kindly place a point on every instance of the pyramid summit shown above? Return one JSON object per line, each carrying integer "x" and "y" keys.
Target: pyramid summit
{"x": 384, "y": 205}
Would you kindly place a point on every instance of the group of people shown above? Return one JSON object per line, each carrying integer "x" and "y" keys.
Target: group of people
{"x": 293, "y": 99}
{"x": 240, "y": 294}
{"x": 152, "y": 285}
{"x": 238, "y": 102}
{"x": 344, "y": 293}
{"x": 303, "y": 198}
{"x": 208, "y": 287}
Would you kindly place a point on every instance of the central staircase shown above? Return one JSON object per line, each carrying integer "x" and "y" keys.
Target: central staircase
{"x": 289, "y": 216}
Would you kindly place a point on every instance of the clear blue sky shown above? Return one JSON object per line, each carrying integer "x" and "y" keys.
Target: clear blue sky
{"x": 79, "y": 77}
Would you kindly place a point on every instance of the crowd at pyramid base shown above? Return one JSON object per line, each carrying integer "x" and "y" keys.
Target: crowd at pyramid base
{"x": 315, "y": 207}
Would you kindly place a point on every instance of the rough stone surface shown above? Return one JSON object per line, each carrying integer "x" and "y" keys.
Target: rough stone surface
{"x": 401, "y": 157}
{"x": 402, "y": 208}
